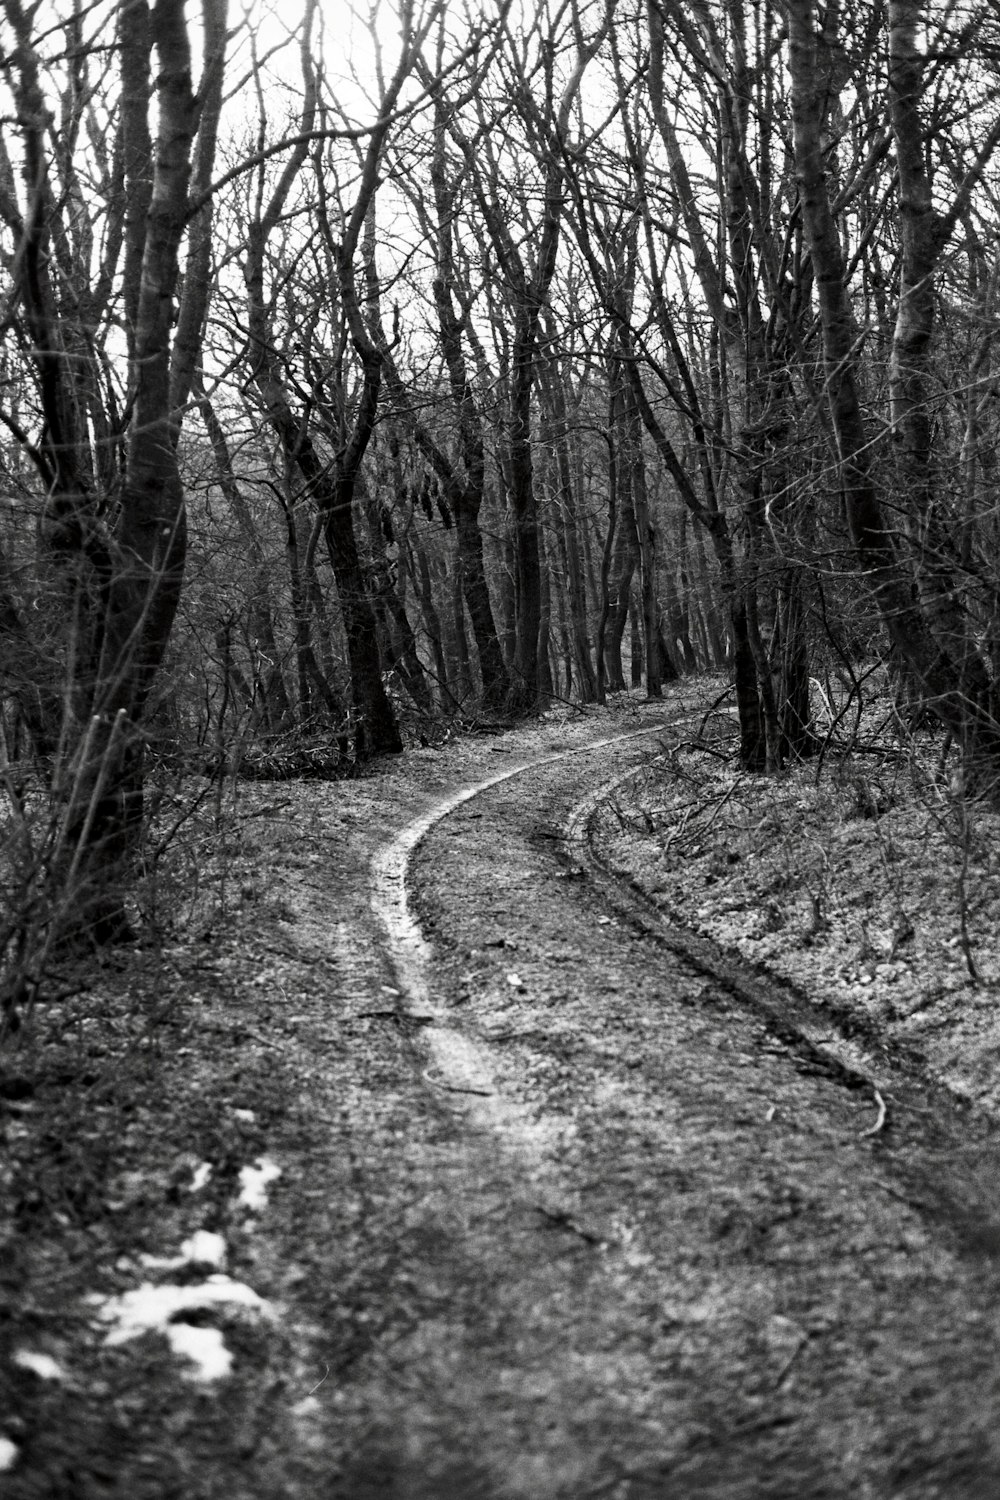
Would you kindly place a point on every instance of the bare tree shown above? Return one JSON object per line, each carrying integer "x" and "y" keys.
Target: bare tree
{"x": 546, "y": 111}
{"x": 113, "y": 516}
{"x": 926, "y": 632}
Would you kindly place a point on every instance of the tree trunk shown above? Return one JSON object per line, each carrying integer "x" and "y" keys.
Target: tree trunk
{"x": 142, "y": 587}
{"x": 524, "y": 692}
{"x": 565, "y": 527}
{"x": 636, "y": 632}
{"x": 387, "y": 601}
{"x": 432, "y": 619}
{"x": 607, "y": 554}
{"x": 544, "y": 662}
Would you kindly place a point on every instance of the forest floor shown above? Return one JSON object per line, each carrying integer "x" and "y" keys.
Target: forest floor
{"x": 552, "y": 1113}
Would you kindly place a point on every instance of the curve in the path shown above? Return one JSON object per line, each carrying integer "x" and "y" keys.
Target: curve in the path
{"x": 461, "y": 1067}
{"x": 457, "y": 1064}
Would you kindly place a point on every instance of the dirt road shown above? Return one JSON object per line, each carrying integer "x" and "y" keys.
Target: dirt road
{"x": 671, "y": 1257}
{"x": 563, "y": 1213}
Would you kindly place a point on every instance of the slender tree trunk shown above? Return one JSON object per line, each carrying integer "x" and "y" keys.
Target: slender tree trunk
{"x": 565, "y": 525}
{"x": 607, "y": 554}
{"x": 544, "y": 661}
{"x": 646, "y": 537}
{"x": 508, "y": 599}
{"x": 375, "y": 730}
{"x": 636, "y": 651}
{"x": 432, "y": 619}
{"x": 524, "y": 514}
{"x": 386, "y": 599}
{"x": 463, "y": 664}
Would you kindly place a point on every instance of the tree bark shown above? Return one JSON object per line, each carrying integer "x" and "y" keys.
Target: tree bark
{"x": 149, "y": 547}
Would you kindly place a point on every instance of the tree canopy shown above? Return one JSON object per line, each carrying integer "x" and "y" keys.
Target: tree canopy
{"x": 366, "y": 370}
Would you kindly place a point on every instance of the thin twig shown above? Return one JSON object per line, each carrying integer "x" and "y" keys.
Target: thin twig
{"x": 319, "y": 1382}
{"x": 874, "y": 1129}
{"x": 564, "y": 1220}
{"x": 264, "y": 1041}
{"x": 785, "y": 1370}
{"x": 455, "y": 1088}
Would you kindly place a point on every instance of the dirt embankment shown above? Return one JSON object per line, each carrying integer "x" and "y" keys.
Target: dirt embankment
{"x": 864, "y": 880}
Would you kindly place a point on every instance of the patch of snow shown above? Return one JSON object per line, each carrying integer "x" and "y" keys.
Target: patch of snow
{"x": 161, "y": 1309}
{"x": 202, "y": 1174}
{"x": 204, "y": 1248}
{"x": 42, "y": 1365}
{"x": 204, "y": 1347}
{"x": 307, "y": 1407}
{"x": 254, "y": 1181}
{"x": 8, "y": 1454}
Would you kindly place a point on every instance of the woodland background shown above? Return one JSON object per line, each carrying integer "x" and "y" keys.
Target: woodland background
{"x": 369, "y": 373}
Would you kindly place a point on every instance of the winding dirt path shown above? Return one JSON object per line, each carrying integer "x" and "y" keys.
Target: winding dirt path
{"x": 570, "y": 1205}
{"x": 658, "y": 1247}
